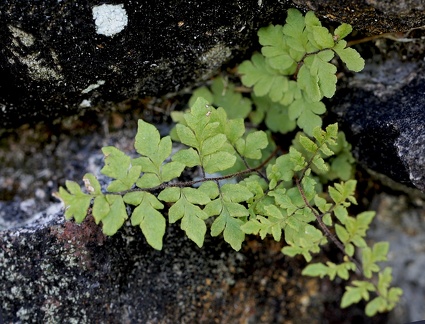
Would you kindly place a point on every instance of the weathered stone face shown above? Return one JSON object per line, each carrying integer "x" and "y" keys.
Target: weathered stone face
{"x": 371, "y": 16}
{"x": 68, "y": 273}
{"x": 61, "y": 57}
{"x": 383, "y": 112}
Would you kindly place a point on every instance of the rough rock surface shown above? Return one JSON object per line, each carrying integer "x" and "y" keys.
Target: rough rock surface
{"x": 65, "y": 273}
{"x": 62, "y": 57}
{"x": 373, "y": 16}
{"x": 383, "y": 113}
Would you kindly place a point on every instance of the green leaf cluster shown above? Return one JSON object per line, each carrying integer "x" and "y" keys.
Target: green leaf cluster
{"x": 281, "y": 198}
{"x": 386, "y": 297}
{"x": 214, "y": 144}
{"x": 340, "y": 165}
{"x": 329, "y": 269}
{"x": 154, "y": 152}
{"x": 295, "y": 71}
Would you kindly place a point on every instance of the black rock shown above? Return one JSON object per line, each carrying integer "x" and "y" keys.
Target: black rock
{"x": 62, "y": 57}
{"x": 60, "y": 272}
{"x": 383, "y": 114}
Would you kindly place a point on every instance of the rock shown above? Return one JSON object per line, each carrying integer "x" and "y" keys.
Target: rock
{"x": 371, "y": 16}
{"x": 57, "y": 272}
{"x": 60, "y": 58}
{"x": 382, "y": 112}
{"x": 400, "y": 221}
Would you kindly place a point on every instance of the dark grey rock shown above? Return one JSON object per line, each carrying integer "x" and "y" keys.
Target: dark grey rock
{"x": 371, "y": 16}
{"x": 56, "y": 272}
{"x": 383, "y": 113}
{"x": 62, "y": 57}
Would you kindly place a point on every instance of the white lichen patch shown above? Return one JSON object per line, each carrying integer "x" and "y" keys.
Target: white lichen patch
{"x": 85, "y": 103}
{"x": 93, "y": 86}
{"x": 34, "y": 223}
{"x": 109, "y": 19}
{"x": 38, "y": 69}
{"x": 216, "y": 56}
{"x": 25, "y": 38}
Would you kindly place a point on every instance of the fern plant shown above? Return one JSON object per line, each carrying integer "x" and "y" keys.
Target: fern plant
{"x": 280, "y": 192}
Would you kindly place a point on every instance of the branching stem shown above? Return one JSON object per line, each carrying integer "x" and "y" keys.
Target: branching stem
{"x": 325, "y": 229}
{"x": 204, "y": 179}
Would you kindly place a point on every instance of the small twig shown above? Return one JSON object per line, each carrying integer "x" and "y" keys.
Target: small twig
{"x": 242, "y": 89}
{"x": 398, "y": 37}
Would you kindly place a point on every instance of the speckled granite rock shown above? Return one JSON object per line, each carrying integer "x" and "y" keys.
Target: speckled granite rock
{"x": 383, "y": 112}
{"x": 65, "y": 273}
{"x": 62, "y": 57}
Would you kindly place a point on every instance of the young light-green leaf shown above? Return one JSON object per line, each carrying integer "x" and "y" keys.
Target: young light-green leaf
{"x": 349, "y": 56}
{"x": 252, "y": 146}
{"x": 188, "y": 157}
{"x": 114, "y": 220}
{"x": 265, "y": 80}
{"x": 315, "y": 270}
{"x": 170, "y": 194}
{"x": 186, "y": 135}
{"x": 354, "y": 294}
{"x": 218, "y": 161}
{"x": 194, "y": 227}
{"x": 150, "y": 220}
{"x": 171, "y": 171}
{"x": 275, "y": 48}
{"x": 213, "y": 144}
{"x": 196, "y": 196}
{"x": 76, "y": 202}
{"x": 229, "y": 225}
{"x": 323, "y": 37}
{"x": 342, "y": 31}
{"x": 101, "y": 208}
{"x": 376, "y": 305}
{"x": 309, "y": 82}
{"x": 118, "y": 165}
{"x": 147, "y": 139}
